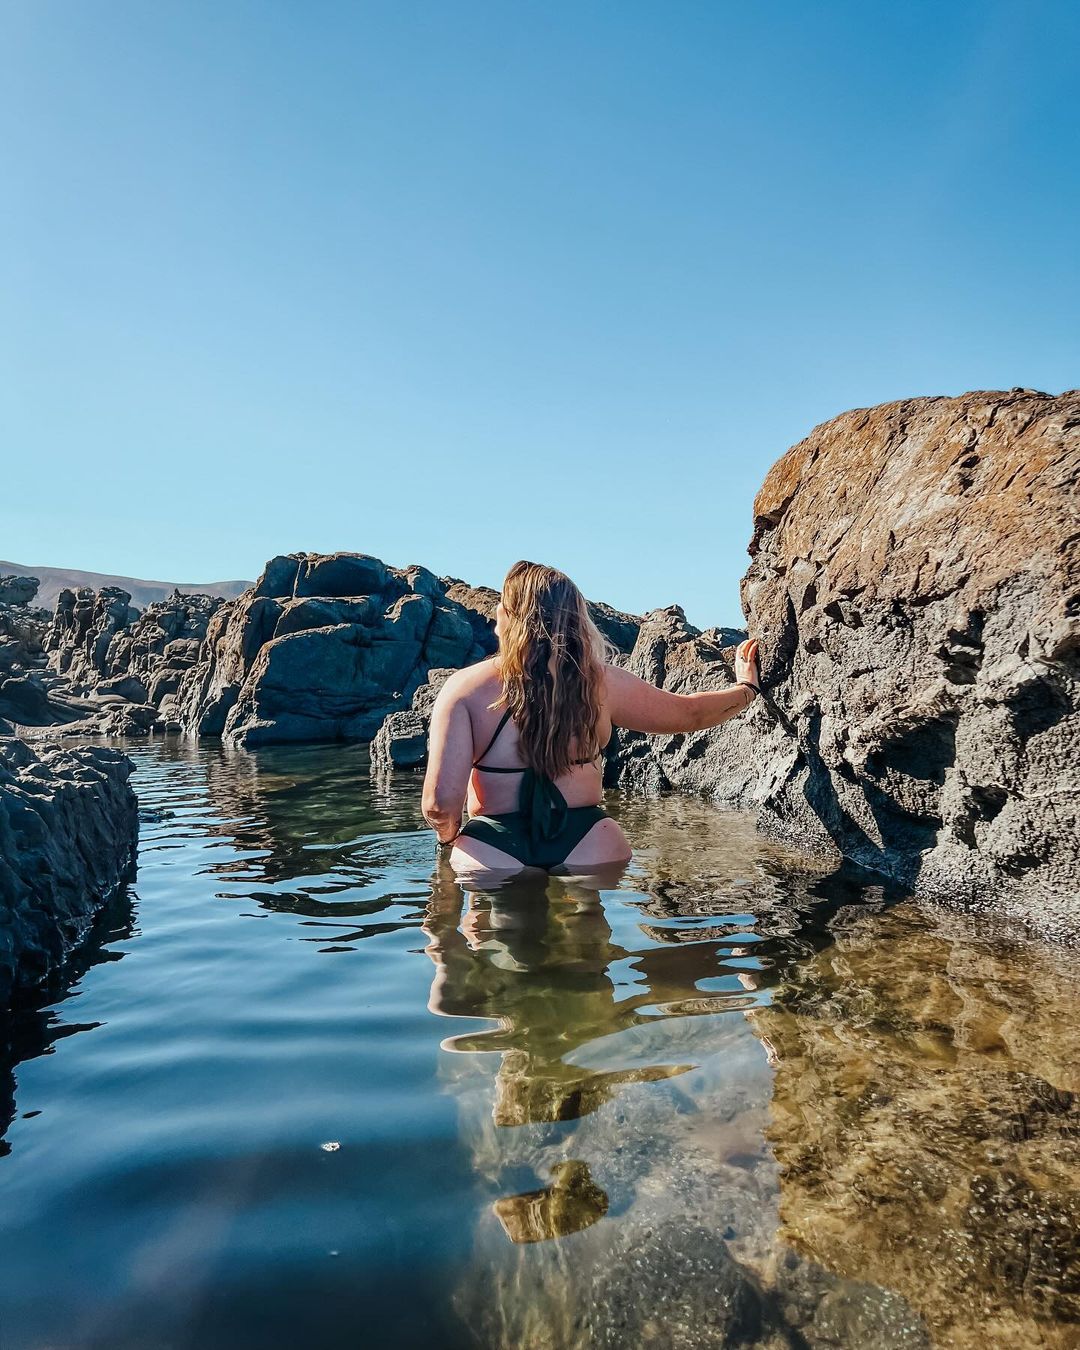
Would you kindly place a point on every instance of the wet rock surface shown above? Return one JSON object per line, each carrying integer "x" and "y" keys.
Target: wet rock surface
{"x": 68, "y": 827}
{"x": 914, "y": 585}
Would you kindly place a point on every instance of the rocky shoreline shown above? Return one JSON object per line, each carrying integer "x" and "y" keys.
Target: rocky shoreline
{"x": 68, "y": 832}
{"x": 914, "y": 581}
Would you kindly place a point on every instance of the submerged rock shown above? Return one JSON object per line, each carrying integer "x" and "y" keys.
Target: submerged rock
{"x": 653, "y": 1292}
{"x": 925, "y": 1115}
{"x": 68, "y": 829}
{"x": 916, "y": 588}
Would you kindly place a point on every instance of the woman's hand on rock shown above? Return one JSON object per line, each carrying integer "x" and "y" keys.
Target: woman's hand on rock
{"x": 746, "y": 664}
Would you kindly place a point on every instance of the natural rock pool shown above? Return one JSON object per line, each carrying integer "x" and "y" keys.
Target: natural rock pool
{"x": 304, "y": 1092}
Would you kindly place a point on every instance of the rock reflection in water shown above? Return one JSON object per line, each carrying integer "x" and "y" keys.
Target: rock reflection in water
{"x": 303, "y": 831}
{"x": 30, "y": 1029}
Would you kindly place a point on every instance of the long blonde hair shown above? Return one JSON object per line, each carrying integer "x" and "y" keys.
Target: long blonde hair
{"x": 551, "y": 660}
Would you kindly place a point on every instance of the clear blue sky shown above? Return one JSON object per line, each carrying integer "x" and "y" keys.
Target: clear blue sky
{"x": 456, "y": 282}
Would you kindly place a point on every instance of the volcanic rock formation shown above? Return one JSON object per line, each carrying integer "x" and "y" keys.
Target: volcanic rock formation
{"x": 24, "y": 695}
{"x": 402, "y": 740}
{"x": 98, "y": 638}
{"x": 68, "y": 827}
{"x": 323, "y": 648}
{"x": 22, "y": 625}
{"x": 915, "y": 585}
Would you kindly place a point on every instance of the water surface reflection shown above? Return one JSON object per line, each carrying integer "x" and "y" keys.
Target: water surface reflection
{"x": 730, "y": 1097}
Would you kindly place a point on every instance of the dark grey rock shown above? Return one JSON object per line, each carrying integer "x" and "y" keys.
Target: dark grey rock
{"x": 23, "y": 700}
{"x": 131, "y": 719}
{"x": 128, "y": 687}
{"x": 68, "y": 828}
{"x": 621, "y": 630}
{"x": 319, "y": 612}
{"x": 84, "y": 624}
{"x": 341, "y": 574}
{"x": 424, "y": 699}
{"x": 402, "y": 740}
{"x": 97, "y": 644}
{"x": 22, "y": 627}
{"x": 278, "y": 580}
{"x": 18, "y": 590}
{"x": 302, "y": 666}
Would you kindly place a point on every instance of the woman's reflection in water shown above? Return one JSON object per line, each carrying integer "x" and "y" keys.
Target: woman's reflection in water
{"x": 533, "y": 956}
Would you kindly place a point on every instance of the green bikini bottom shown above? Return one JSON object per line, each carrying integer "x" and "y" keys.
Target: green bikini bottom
{"x": 512, "y": 834}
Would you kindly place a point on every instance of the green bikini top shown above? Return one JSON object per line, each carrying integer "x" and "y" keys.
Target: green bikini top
{"x": 539, "y": 800}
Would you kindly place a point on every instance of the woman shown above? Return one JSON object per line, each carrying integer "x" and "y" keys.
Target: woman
{"x": 519, "y": 738}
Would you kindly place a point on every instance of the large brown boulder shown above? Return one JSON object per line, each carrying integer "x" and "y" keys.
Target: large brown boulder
{"x": 68, "y": 829}
{"x": 915, "y": 585}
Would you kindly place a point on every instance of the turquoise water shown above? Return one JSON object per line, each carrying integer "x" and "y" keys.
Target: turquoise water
{"x": 307, "y": 1092}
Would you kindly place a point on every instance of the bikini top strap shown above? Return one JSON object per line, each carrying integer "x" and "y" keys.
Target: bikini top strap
{"x": 485, "y": 768}
{"x": 502, "y": 722}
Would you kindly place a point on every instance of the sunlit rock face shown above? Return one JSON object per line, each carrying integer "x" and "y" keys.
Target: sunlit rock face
{"x": 22, "y": 628}
{"x": 113, "y": 670}
{"x": 925, "y": 1117}
{"x": 323, "y": 648}
{"x": 98, "y": 636}
{"x": 915, "y": 585}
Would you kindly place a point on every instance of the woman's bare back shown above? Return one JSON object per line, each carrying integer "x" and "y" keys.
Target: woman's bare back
{"x": 496, "y": 793}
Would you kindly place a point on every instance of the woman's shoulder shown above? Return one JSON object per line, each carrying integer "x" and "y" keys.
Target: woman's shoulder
{"x": 479, "y": 679}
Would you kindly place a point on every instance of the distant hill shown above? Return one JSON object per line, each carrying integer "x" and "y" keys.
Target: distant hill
{"x": 55, "y": 579}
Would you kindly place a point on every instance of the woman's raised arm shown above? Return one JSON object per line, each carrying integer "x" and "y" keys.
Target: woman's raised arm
{"x": 639, "y": 706}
